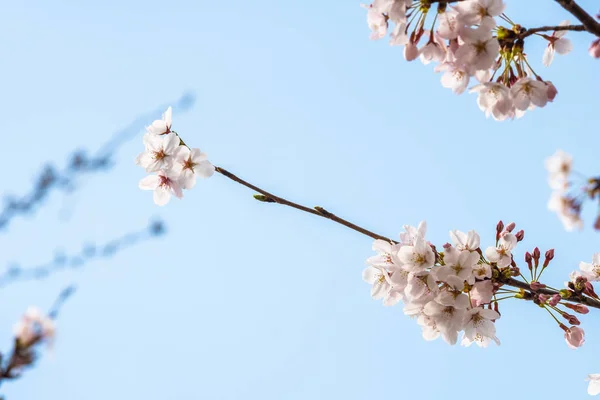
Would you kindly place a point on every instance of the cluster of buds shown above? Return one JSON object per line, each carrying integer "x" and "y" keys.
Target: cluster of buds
{"x": 467, "y": 43}
{"x": 458, "y": 289}
{"x": 33, "y": 329}
{"x": 570, "y": 190}
{"x": 174, "y": 166}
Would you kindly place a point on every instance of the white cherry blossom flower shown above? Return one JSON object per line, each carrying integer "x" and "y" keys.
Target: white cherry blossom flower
{"x": 448, "y": 320}
{"x": 495, "y": 100}
{"x": 434, "y": 50}
{"x": 591, "y": 270}
{"x": 482, "y": 292}
{"x": 559, "y": 167}
{"x": 162, "y": 126}
{"x": 460, "y": 264}
{"x": 501, "y": 254}
{"x": 399, "y": 37}
{"x": 411, "y": 233}
{"x": 479, "y": 50}
{"x": 188, "y": 164}
{"x": 34, "y": 325}
{"x": 378, "y": 23}
{"x": 465, "y": 241}
{"x": 479, "y": 327}
{"x": 558, "y": 44}
{"x": 450, "y": 23}
{"x": 159, "y": 152}
{"x": 476, "y": 12}
{"x": 594, "y": 385}
{"x": 420, "y": 288}
{"x": 164, "y": 183}
{"x": 418, "y": 257}
{"x": 527, "y": 91}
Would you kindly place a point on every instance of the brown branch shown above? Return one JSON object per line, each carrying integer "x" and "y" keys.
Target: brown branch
{"x": 590, "y": 24}
{"x": 529, "y": 32}
{"x": 588, "y": 301}
{"x": 319, "y": 211}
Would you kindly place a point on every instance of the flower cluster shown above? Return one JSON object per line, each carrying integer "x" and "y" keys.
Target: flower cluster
{"x": 458, "y": 289}
{"x": 466, "y": 42}
{"x": 448, "y": 292}
{"x": 174, "y": 166}
{"x": 569, "y": 190}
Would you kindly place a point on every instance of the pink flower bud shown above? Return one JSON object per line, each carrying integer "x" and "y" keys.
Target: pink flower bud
{"x": 520, "y": 235}
{"x": 597, "y": 224}
{"x": 536, "y": 256}
{"x": 535, "y": 286}
{"x": 595, "y": 49}
{"x": 447, "y": 246}
{"x": 554, "y": 300}
{"x": 510, "y": 227}
{"x": 580, "y": 308}
{"x": 543, "y": 298}
{"x": 571, "y": 318}
{"x": 499, "y": 228}
{"x": 410, "y": 51}
{"x": 549, "y": 256}
{"x": 551, "y": 91}
{"x": 589, "y": 290}
{"x": 528, "y": 260}
{"x": 575, "y": 337}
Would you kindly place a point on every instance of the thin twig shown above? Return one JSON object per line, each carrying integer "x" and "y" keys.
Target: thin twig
{"x": 529, "y": 32}
{"x": 590, "y": 24}
{"x": 319, "y": 211}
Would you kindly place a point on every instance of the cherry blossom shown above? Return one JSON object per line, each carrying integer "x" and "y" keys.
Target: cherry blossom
{"x": 591, "y": 270}
{"x": 479, "y": 327}
{"x": 162, "y": 126}
{"x": 575, "y": 337}
{"x": 557, "y": 43}
{"x": 501, "y": 254}
{"x": 418, "y": 257}
{"x": 594, "y": 385}
{"x": 34, "y": 325}
{"x": 482, "y": 292}
{"x": 480, "y": 48}
{"x": 188, "y": 164}
{"x": 475, "y": 12}
{"x": 559, "y": 167}
{"x": 495, "y": 100}
{"x": 159, "y": 152}
{"x": 526, "y": 92}
{"x": 164, "y": 183}
{"x": 378, "y": 23}
{"x": 465, "y": 241}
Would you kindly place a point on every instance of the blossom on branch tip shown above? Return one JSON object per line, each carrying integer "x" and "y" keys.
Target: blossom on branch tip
{"x": 574, "y": 336}
{"x": 591, "y": 270}
{"x": 159, "y": 152}
{"x": 501, "y": 254}
{"x": 189, "y": 164}
{"x": 164, "y": 183}
{"x": 162, "y": 126}
{"x": 557, "y": 43}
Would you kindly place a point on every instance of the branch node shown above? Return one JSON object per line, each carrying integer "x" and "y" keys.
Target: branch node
{"x": 264, "y": 199}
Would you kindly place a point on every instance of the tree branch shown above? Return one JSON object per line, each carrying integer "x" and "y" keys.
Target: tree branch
{"x": 267, "y": 197}
{"x": 319, "y": 211}
{"x": 590, "y": 24}
{"x": 529, "y": 32}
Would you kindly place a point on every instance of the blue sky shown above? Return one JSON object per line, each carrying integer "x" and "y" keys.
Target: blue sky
{"x": 244, "y": 300}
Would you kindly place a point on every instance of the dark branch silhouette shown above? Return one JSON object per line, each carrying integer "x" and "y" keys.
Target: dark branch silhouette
{"x": 89, "y": 252}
